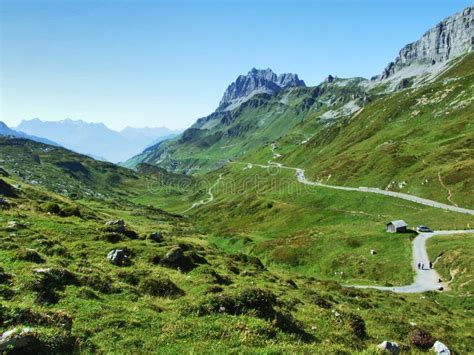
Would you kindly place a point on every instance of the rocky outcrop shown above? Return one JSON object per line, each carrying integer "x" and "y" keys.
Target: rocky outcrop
{"x": 256, "y": 82}
{"x": 449, "y": 39}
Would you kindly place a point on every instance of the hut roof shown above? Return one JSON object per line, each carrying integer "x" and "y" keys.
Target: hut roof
{"x": 399, "y": 223}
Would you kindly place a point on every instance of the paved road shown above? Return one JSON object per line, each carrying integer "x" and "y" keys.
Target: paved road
{"x": 423, "y": 201}
{"x": 210, "y": 199}
{"x": 425, "y": 280}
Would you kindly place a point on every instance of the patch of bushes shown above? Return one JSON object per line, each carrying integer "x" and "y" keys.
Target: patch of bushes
{"x": 255, "y": 302}
{"x": 357, "y": 325}
{"x": 97, "y": 282}
{"x": 29, "y": 255}
{"x": 321, "y": 301}
{"x": 6, "y": 189}
{"x": 4, "y": 277}
{"x": 211, "y": 275}
{"x": 65, "y": 211}
{"x": 49, "y": 281}
{"x": 160, "y": 287}
{"x": 248, "y": 260}
{"x": 131, "y": 277}
{"x": 111, "y": 237}
{"x": 421, "y": 339}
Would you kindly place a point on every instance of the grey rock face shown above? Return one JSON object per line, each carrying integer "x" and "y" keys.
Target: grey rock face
{"x": 256, "y": 82}
{"x": 15, "y": 339}
{"x": 449, "y": 39}
{"x": 119, "y": 257}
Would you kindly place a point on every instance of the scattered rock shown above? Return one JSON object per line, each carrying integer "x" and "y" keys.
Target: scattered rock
{"x": 16, "y": 339}
{"x": 156, "y": 237}
{"x": 6, "y": 189}
{"x": 176, "y": 258}
{"x": 4, "y": 203}
{"x": 389, "y": 346}
{"x": 119, "y": 257}
{"x": 440, "y": 348}
{"x": 117, "y": 225}
{"x": 329, "y": 79}
{"x": 14, "y": 225}
{"x": 373, "y": 252}
{"x": 173, "y": 255}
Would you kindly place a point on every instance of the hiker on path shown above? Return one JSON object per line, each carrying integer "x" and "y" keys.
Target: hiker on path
{"x": 422, "y": 266}
{"x": 431, "y": 265}
{"x": 419, "y": 266}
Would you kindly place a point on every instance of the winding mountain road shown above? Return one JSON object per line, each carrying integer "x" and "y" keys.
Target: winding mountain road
{"x": 423, "y": 201}
{"x": 210, "y": 199}
{"x": 425, "y": 279}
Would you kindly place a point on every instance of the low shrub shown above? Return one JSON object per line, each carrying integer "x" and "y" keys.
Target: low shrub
{"x": 160, "y": 287}
{"x": 29, "y": 255}
{"x": 357, "y": 324}
{"x": 421, "y": 339}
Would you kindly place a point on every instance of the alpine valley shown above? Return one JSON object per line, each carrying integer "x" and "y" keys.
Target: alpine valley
{"x": 262, "y": 228}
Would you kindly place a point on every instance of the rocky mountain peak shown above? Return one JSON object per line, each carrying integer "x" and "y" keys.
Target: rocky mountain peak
{"x": 257, "y": 81}
{"x": 449, "y": 39}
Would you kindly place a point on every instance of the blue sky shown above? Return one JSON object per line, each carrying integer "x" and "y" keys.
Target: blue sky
{"x": 167, "y": 63}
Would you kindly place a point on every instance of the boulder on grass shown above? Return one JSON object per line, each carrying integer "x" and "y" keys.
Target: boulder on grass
{"x": 389, "y": 346}
{"x": 15, "y": 339}
{"x": 119, "y": 257}
{"x": 116, "y": 225}
{"x": 4, "y": 203}
{"x": 156, "y": 237}
{"x": 176, "y": 258}
{"x": 6, "y": 189}
{"x": 441, "y": 349}
{"x": 14, "y": 225}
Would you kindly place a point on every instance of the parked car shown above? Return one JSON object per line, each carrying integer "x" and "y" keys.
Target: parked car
{"x": 423, "y": 229}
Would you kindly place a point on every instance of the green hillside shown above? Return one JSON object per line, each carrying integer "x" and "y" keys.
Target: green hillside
{"x": 189, "y": 290}
{"x": 224, "y": 136}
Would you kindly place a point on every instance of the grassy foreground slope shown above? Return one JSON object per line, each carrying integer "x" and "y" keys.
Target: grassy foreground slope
{"x": 180, "y": 293}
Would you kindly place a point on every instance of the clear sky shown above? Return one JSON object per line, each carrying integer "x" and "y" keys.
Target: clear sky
{"x": 167, "y": 63}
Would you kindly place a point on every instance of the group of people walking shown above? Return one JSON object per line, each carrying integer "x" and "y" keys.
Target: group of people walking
{"x": 421, "y": 266}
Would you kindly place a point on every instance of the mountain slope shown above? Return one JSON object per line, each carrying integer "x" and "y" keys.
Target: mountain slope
{"x": 224, "y": 135}
{"x": 95, "y": 139}
{"x": 332, "y": 129}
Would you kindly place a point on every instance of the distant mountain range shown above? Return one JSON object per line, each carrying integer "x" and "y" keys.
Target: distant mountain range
{"x": 8, "y": 132}
{"x": 96, "y": 139}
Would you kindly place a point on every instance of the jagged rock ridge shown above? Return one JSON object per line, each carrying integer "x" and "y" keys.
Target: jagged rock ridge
{"x": 449, "y": 39}
{"x": 256, "y": 82}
